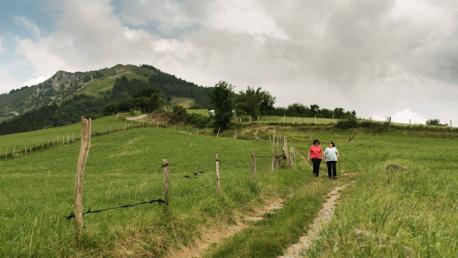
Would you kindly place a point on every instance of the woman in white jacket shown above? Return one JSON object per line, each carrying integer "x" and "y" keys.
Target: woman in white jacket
{"x": 331, "y": 155}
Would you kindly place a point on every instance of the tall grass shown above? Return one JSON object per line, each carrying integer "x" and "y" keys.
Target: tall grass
{"x": 123, "y": 168}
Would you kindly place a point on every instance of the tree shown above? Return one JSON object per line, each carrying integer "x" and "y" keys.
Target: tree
{"x": 433, "y": 122}
{"x": 221, "y": 101}
{"x": 255, "y": 102}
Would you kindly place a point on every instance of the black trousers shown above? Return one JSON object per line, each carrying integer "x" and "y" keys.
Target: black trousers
{"x": 332, "y": 169}
{"x": 316, "y": 166}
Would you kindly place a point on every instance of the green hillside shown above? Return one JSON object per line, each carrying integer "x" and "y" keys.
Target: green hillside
{"x": 401, "y": 202}
{"x": 63, "y": 86}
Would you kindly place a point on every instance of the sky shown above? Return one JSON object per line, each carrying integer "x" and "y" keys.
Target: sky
{"x": 382, "y": 58}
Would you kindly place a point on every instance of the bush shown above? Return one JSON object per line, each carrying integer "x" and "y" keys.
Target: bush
{"x": 435, "y": 122}
{"x": 179, "y": 115}
{"x": 347, "y": 124}
{"x": 200, "y": 121}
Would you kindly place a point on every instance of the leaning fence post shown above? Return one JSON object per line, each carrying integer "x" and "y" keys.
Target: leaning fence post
{"x": 218, "y": 174}
{"x": 165, "y": 172}
{"x": 79, "y": 180}
{"x": 253, "y": 163}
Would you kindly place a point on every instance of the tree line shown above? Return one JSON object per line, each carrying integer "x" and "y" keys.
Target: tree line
{"x": 157, "y": 92}
{"x": 257, "y": 102}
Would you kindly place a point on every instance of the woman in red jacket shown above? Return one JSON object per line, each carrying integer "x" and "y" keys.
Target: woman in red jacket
{"x": 315, "y": 156}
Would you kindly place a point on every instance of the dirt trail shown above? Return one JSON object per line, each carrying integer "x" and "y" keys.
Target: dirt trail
{"x": 136, "y": 118}
{"x": 321, "y": 220}
{"x": 219, "y": 234}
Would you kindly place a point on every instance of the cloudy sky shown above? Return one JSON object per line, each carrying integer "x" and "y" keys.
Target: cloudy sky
{"x": 379, "y": 57}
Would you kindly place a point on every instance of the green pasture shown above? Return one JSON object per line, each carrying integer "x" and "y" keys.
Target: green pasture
{"x": 402, "y": 202}
{"x": 124, "y": 168}
{"x": 29, "y": 139}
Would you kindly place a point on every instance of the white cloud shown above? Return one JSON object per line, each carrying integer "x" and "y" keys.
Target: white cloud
{"x": 376, "y": 57}
{"x": 7, "y": 82}
{"x": 28, "y": 24}
{"x": 241, "y": 16}
{"x": 406, "y": 116}
{"x": 36, "y": 80}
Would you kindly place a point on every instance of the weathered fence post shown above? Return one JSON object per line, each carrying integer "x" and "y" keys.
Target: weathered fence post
{"x": 217, "y": 134}
{"x": 253, "y": 163}
{"x": 218, "y": 174}
{"x": 292, "y": 156}
{"x": 451, "y": 126}
{"x": 286, "y": 150}
{"x": 79, "y": 180}
{"x": 165, "y": 172}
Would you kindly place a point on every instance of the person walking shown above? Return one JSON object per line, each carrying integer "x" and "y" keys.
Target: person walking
{"x": 331, "y": 155}
{"x": 315, "y": 156}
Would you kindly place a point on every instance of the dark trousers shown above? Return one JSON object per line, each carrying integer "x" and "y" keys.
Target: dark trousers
{"x": 316, "y": 166}
{"x": 332, "y": 170}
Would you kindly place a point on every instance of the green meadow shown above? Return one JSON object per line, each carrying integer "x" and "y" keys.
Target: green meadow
{"x": 402, "y": 202}
{"x": 29, "y": 139}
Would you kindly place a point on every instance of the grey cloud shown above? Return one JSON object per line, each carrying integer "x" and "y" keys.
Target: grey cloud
{"x": 359, "y": 54}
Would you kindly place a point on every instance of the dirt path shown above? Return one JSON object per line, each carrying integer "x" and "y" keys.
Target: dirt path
{"x": 219, "y": 234}
{"x": 136, "y": 118}
{"x": 321, "y": 220}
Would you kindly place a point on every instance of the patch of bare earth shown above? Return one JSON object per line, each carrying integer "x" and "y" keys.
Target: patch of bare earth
{"x": 322, "y": 219}
{"x": 217, "y": 235}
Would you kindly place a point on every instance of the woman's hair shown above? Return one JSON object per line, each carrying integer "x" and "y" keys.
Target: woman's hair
{"x": 332, "y": 144}
{"x": 316, "y": 141}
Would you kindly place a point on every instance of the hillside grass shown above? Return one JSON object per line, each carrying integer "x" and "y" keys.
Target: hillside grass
{"x": 182, "y": 101}
{"x": 403, "y": 202}
{"x": 99, "y": 87}
{"x": 403, "y": 205}
{"x": 298, "y": 120}
{"x": 124, "y": 168}
{"x": 30, "y": 139}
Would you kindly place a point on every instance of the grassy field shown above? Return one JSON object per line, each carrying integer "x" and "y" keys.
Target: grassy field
{"x": 298, "y": 120}
{"x": 402, "y": 204}
{"x": 181, "y": 101}
{"x": 98, "y": 87}
{"x": 30, "y": 139}
{"x": 123, "y": 168}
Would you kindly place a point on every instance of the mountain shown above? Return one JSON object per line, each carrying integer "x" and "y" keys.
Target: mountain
{"x": 65, "y": 97}
{"x": 63, "y": 86}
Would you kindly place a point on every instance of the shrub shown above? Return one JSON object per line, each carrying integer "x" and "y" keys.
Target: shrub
{"x": 200, "y": 121}
{"x": 347, "y": 124}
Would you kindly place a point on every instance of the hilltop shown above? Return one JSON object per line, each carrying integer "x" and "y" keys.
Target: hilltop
{"x": 62, "y": 86}
{"x": 66, "y": 96}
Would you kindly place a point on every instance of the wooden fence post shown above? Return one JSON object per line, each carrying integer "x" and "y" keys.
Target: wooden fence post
{"x": 253, "y": 163}
{"x": 79, "y": 179}
{"x": 218, "y": 174}
{"x": 165, "y": 172}
{"x": 219, "y": 129}
{"x": 451, "y": 126}
{"x": 286, "y": 150}
{"x": 292, "y": 156}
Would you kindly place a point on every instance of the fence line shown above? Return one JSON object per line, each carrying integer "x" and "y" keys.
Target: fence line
{"x": 42, "y": 145}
